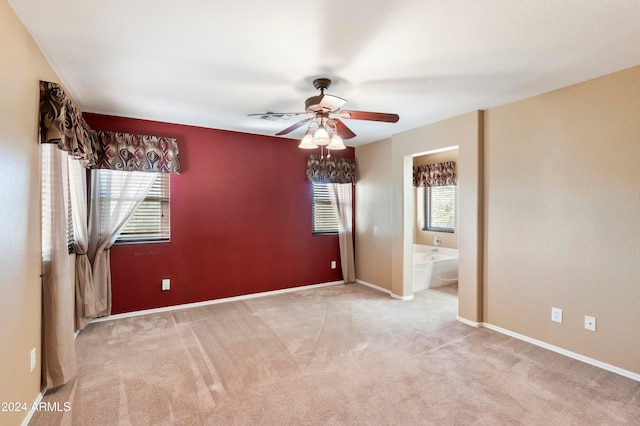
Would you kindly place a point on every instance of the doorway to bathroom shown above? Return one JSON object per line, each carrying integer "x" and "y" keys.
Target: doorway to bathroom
{"x": 435, "y": 221}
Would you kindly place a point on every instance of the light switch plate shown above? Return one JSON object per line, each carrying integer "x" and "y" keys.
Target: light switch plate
{"x": 556, "y": 315}
{"x": 33, "y": 359}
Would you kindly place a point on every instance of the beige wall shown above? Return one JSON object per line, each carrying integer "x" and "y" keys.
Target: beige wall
{"x": 373, "y": 221}
{"x": 557, "y": 179}
{"x": 389, "y": 192}
{"x": 563, "y": 217}
{"x": 23, "y": 65}
{"x": 447, "y": 239}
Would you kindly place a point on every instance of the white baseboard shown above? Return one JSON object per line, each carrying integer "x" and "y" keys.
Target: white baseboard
{"x": 212, "y": 302}
{"x": 373, "y": 286}
{"x": 395, "y": 296}
{"x": 612, "y": 368}
{"x": 469, "y": 322}
{"x": 31, "y": 412}
{"x": 384, "y": 290}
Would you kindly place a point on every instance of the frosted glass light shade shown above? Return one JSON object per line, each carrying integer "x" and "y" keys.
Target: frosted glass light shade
{"x": 307, "y": 141}
{"x": 336, "y": 143}
{"x": 321, "y": 137}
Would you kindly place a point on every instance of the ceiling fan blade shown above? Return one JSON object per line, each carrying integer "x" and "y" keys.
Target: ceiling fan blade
{"x": 370, "y": 116}
{"x": 343, "y": 130}
{"x": 295, "y": 126}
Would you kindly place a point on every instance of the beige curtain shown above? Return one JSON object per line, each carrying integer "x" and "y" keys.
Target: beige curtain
{"x": 58, "y": 347}
{"x": 107, "y": 218}
{"x": 342, "y": 203}
{"x": 84, "y": 300}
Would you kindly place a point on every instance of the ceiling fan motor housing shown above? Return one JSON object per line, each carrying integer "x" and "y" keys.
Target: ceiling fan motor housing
{"x": 313, "y": 104}
{"x": 323, "y": 103}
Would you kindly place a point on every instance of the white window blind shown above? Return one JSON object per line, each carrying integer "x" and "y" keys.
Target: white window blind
{"x": 151, "y": 222}
{"x": 70, "y": 236}
{"x": 48, "y": 152}
{"x": 324, "y": 218}
{"x": 440, "y": 207}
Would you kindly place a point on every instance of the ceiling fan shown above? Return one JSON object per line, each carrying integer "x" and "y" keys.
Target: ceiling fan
{"x": 326, "y": 114}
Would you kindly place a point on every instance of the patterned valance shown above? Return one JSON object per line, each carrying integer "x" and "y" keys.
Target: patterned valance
{"x": 438, "y": 174}
{"x": 62, "y": 123}
{"x": 137, "y": 153}
{"x": 331, "y": 169}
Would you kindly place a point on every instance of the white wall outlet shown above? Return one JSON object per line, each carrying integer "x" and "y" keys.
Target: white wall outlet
{"x": 166, "y": 284}
{"x": 33, "y": 359}
{"x": 589, "y": 323}
{"x": 556, "y": 315}
{"x": 333, "y": 264}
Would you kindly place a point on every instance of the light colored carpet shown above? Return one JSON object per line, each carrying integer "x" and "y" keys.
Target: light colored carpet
{"x": 339, "y": 355}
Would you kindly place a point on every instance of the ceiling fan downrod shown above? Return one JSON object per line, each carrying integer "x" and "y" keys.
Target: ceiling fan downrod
{"x": 322, "y": 84}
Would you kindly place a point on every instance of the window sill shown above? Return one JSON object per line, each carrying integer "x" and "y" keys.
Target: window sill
{"x": 445, "y": 230}
{"x": 126, "y": 243}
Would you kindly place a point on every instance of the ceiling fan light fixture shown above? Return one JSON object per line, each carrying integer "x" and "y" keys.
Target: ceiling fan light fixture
{"x": 329, "y": 132}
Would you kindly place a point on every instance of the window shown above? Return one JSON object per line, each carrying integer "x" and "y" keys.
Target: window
{"x": 439, "y": 211}
{"x": 324, "y": 218}
{"x": 151, "y": 222}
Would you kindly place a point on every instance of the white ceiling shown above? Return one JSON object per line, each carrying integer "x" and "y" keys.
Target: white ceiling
{"x": 211, "y": 62}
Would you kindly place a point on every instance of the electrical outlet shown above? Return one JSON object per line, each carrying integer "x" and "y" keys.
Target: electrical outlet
{"x": 333, "y": 264}
{"x": 33, "y": 359}
{"x": 556, "y": 315}
{"x": 589, "y": 323}
{"x": 166, "y": 284}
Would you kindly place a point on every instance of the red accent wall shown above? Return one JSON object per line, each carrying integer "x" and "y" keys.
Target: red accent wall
{"x": 240, "y": 221}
